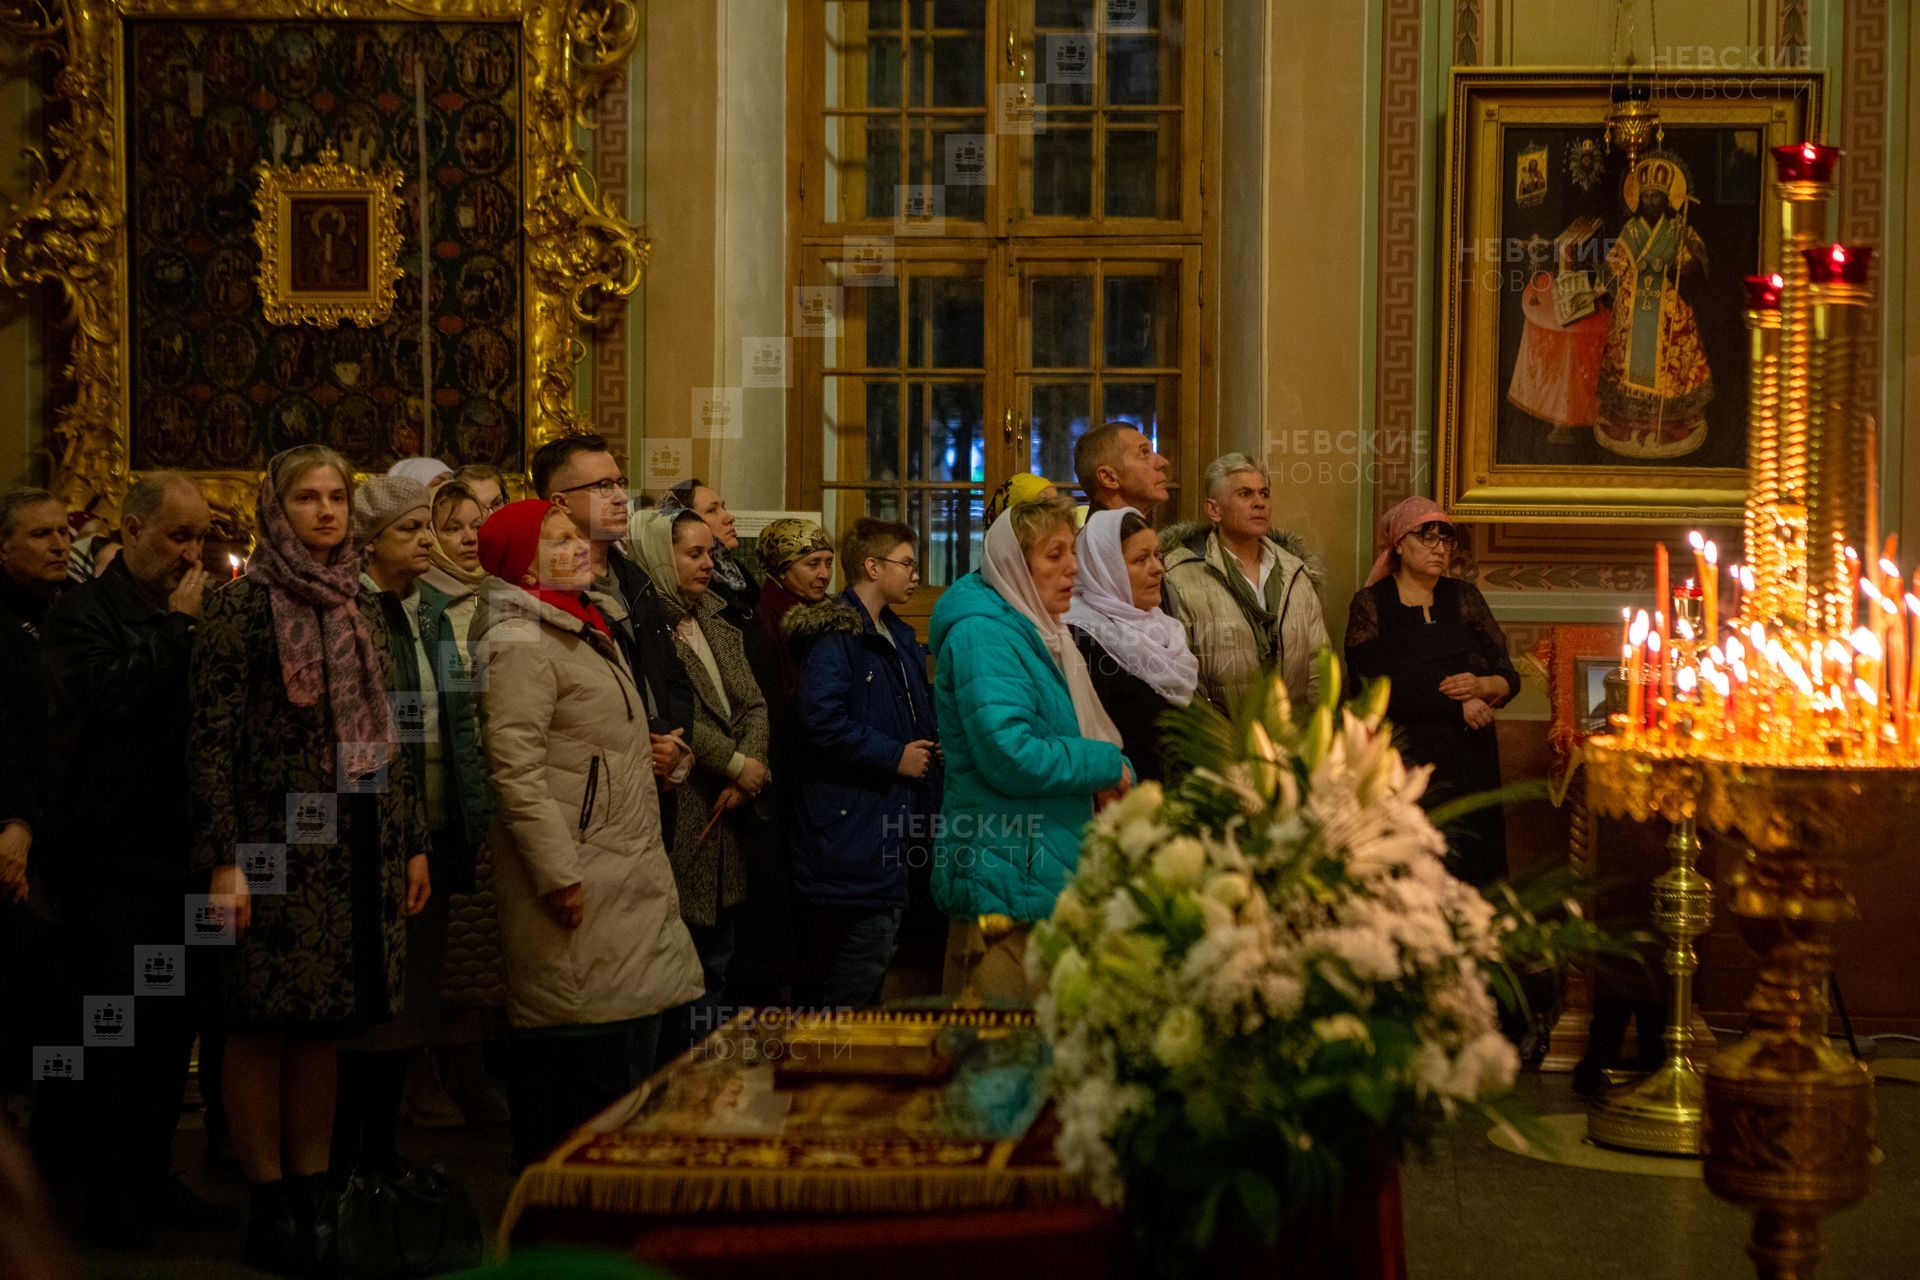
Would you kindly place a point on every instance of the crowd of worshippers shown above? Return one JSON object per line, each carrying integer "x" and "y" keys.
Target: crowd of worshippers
{"x": 460, "y": 790}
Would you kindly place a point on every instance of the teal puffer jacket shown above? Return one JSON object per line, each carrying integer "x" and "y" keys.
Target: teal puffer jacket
{"x": 1020, "y": 779}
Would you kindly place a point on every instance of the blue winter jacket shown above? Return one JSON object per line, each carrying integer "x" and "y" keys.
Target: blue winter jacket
{"x": 858, "y": 825}
{"x": 1020, "y": 778}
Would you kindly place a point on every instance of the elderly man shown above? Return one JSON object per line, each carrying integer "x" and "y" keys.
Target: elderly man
{"x": 117, "y": 863}
{"x": 1117, "y": 467}
{"x": 1246, "y": 593}
{"x": 34, "y": 542}
{"x": 580, "y": 474}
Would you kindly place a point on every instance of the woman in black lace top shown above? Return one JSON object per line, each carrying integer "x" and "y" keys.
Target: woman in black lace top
{"x": 1436, "y": 640}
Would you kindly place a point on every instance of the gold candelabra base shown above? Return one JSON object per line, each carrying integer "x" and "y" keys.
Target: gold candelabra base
{"x": 1663, "y": 1113}
{"x": 1787, "y": 1131}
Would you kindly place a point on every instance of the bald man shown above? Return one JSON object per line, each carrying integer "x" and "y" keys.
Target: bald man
{"x": 116, "y": 862}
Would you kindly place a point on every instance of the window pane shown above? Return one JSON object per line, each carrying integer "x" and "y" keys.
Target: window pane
{"x": 883, "y": 504}
{"x": 947, "y": 154}
{"x": 948, "y": 327}
{"x": 839, "y": 508}
{"x": 1059, "y": 415}
{"x": 863, "y": 54}
{"x": 880, "y": 305}
{"x": 1143, "y": 167}
{"x": 1136, "y": 67}
{"x": 1063, "y": 171}
{"x": 1141, "y": 405}
{"x": 951, "y": 523}
{"x": 1061, "y": 310}
{"x": 1074, "y": 15}
{"x": 861, "y": 421}
{"x": 948, "y": 66}
{"x": 1141, "y": 320}
{"x": 862, "y": 167}
{"x": 948, "y": 439}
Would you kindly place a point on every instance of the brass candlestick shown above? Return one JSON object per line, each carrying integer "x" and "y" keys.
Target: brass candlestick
{"x": 1663, "y": 1112}
{"x": 1788, "y": 1125}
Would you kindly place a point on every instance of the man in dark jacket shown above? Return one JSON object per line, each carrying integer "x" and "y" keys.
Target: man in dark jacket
{"x": 118, "y": 865}
{"x": 580, "y": 474}
{"x": 34, "y": 541}
{"x": 869, "y": 769}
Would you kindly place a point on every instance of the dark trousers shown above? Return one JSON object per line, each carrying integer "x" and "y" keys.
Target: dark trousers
{"x": 366, "y": 1111}
{"x": 112, "y": 1131}
{"x": 701, "y": 1017}
{"x": 844, "y": 954}
{"x": 558, "y": 1078}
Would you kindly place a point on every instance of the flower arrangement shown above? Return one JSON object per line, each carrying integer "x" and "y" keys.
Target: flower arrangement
{"x": 1266, "y": 976}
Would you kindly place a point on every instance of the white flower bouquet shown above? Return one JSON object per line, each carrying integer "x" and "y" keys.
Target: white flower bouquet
{"x": 1266, "y": 977}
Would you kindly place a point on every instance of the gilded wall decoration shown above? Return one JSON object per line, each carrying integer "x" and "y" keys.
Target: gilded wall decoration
{"x": 505, "y": 84}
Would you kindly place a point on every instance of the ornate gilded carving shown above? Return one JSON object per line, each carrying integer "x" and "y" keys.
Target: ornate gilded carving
{"x": 346, "y": 217}
{"x": 584, "y": 260}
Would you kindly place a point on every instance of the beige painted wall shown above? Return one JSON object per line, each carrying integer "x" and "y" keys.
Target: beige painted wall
{"x": 1315, "y": 311}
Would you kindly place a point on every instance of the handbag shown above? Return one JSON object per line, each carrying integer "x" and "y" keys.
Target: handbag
{"x": 410, "y": 1223}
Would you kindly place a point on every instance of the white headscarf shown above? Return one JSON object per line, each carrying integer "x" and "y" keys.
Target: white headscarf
{"x": 1148, "y": 643}
{"x": 425, "y": 470}
{"x": 1004, "y": 568}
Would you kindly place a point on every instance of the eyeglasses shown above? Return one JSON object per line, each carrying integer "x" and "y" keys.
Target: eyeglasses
{"x": 606, "y": 488}
{"x": 1437, "y": 535}
{"x": 909, "y": 564}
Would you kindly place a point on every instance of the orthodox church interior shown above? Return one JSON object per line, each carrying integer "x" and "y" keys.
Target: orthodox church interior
{"x": 804, "y": 638}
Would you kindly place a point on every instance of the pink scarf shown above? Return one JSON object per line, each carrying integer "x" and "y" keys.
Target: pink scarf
{"x": 1402, "y": 520}
{"x": 323, "y": 641}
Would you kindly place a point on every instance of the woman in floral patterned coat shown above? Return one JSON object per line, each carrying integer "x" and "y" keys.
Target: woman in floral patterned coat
{"x": 310, "y": 827}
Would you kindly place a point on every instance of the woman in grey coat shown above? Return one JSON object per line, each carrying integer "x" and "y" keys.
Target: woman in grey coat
{"x": 730, "y": 746}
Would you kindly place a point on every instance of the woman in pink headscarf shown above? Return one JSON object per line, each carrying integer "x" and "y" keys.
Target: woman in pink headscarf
{"x": 1435, "y": 639}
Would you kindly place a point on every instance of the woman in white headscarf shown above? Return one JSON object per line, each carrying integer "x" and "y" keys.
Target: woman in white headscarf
{"x": 1136, "y": 655}
{"x": 1029, "y": 750}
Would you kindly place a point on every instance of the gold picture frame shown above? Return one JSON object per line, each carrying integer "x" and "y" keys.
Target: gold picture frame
{"x": 329, "y": 237}
{"x": 580, "y": 260}
{"x": 1513, "y": 253}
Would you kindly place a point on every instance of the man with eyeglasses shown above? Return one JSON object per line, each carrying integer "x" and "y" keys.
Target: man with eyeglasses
{"x": 1248, "y": 594}
{"x": 579, "y": 473}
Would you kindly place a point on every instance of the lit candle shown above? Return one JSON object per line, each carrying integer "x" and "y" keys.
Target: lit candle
{"x": 233, "y": 561}
{"x": 1897, "y": 672}
{"x": 1662, "y": 600}
{"x": 1636, "y": 696}
{"x": 1662, "y": 673}
{"x": 1626, "y": 629}
{"x": 1913, "y": 662}
{"x": 1710, "y": 579}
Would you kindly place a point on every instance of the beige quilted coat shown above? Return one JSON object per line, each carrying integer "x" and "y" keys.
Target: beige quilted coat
{"x": 575, "y": 803}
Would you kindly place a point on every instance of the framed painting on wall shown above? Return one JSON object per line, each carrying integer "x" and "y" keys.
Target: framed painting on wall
{"x": 363, "y": 223}
{"x": 1592, "y": 352}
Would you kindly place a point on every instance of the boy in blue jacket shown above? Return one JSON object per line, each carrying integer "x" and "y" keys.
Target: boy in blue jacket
{"x": 869, "y": 763}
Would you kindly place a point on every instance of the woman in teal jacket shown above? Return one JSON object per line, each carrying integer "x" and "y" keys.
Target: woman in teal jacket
{"x": 1029, "y": 749}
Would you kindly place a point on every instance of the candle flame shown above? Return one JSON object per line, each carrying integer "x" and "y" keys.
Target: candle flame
{"x": 1684, "y": 681}
{"x": 1777, "y": 280}
{"x": 1638, "y": 635}
{"x": 1866, "y": 644}
{"x": 1746, "y": 580}
{"x": 1868, "y": 694}
{"x": 1713, "y": 554}
{"x": 1695, "y": 541}
{"x": 234, "y": 561}
{"x": 1686, "y": 629}
{"x": 1653, "y": 643}
{"x": 1806, "y": 149}
{"x": 1913, "y": 604}
{"x": 1889, "y": 568}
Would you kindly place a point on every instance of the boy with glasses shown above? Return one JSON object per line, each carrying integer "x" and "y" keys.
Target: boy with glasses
{"x": 869, "y": 764}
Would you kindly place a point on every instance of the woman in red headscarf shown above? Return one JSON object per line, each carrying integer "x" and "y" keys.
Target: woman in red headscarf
{"x": 589, "y": 914}
{"x": 1435, "y": 638}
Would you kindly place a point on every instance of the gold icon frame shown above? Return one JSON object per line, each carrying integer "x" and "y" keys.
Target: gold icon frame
{"x": 372, "y": 195}
{"x": 581, "y": 259}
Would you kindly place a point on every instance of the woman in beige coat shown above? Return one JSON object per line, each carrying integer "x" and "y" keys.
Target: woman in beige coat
{"x": 595, "y": 948}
